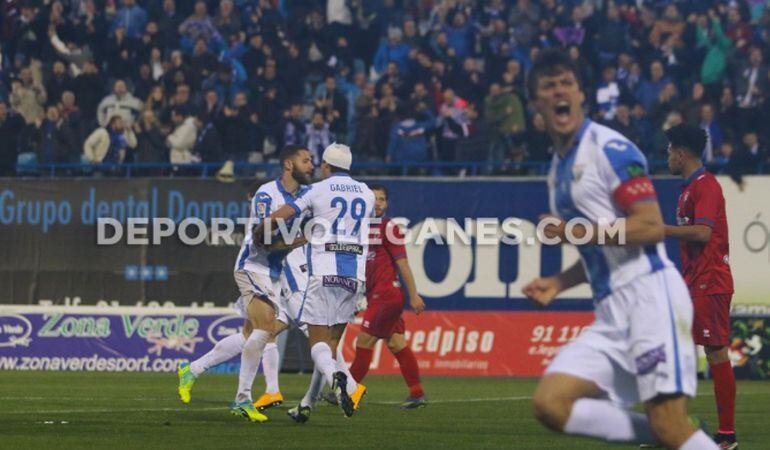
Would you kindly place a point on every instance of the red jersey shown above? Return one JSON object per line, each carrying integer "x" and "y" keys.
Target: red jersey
{"x": 705, "y": 267}
{"x": 381, "y": 273}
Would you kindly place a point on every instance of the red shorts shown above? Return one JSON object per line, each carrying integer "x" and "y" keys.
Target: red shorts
{"x": 711, "y": 322}
{"x": 383, "y": 319}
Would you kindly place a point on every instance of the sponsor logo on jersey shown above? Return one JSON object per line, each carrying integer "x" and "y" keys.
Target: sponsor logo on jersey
{"x": 356, "y": 249}
{"x": 349, "y": 284}
{"x": 646, "y": 362}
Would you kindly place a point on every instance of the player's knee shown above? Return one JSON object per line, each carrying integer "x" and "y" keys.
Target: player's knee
{"x": 365, "y": 340}
{"x": 551, "y": 408}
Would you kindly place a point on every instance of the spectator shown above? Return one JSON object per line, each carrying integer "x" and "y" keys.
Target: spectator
{"x": 334, "y": 105}
{"x": 505, "y": 116}
{"x": 724, "y": 157}
{"x": 212, "y": 106}
{"x": 729, "y": 114}
{"x": 168, "y": 24}
{"x": 409, "y": 136}
{"x": 54, "y": 141}
{"x": 524, "y": 18}
{"x": 208, "y": 144}
{"x": 623, "y": 124}
{"x": 73, "y": 118}
{"x": 109, "y": 144}
{"x": 711, "y": 39}
{"x": 607, "y": 95}
{"x": 319, "y": 135}
{"x": 393, "y": 77}
{"x": 88, "y": 91}
{"x": 392, "y": 50}
{"x": 150, "y": 141}
{"x": 157, "y": 101}
{"x": 241, "y": 132}
{"x": 659, "y": 140}
{"x": 77, "y": 57}
{"x": 668, "y": 28}
{"x": 120, "y": 51}
{"x": 11, "y": 125}
{"x": 538, "y": 140}
{"x": 120, "y": 102}
{"x": 28, "y": 97}
{"x": 143, "y": 83}
{"x": 613, "y": 37}
{"x": 131, "y": 17}
{"x": 460, "y": 36}
{"x": 469, "y": 83}
{"x": 294, "y": 126}
{"x": 200, "y": 26}
{"x": 753, "y": 152}
{"x": 367, "y": 119}
{"x": 738, "y": 30}
{"x": 691, "y": 108}
{"x": 751, "y": 88}
{"x": 227, "y": 20}
{"x": 227, "y": 82}
{"x": 455, "y": 122}
{"x": 713, "y": 131}
{"x": 182, "y": 140}
{"x": 203, "y": 63}
{"x": 181, "y": 100}
{"x": 649, "y": 90}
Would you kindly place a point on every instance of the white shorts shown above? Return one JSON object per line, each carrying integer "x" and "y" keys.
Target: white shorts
{"x": 251, "y": 284}
{"x": 640, "y": 344}
{"x": 289, "y": 308}
{"x": 330, "y": 300}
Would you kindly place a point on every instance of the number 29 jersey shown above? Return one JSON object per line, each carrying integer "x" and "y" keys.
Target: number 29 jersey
{"x": 341, "y": 208}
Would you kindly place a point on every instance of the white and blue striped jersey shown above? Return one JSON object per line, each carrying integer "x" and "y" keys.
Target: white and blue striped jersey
{"x": 295, "y": 271}
{"x": 268, "y": 198}
{"x": 582, "y": 184}
{"x": 342, "y": 206}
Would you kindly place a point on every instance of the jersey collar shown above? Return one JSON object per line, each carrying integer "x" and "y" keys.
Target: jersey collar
{"x": 578, "y": 137}
{"x": 339, "y": 174}
{"x": 694, "y": 175}
{"x": 286, "y": 194}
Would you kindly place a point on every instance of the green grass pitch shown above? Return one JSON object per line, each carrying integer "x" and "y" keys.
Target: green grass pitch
{"x": 141, "y": 411}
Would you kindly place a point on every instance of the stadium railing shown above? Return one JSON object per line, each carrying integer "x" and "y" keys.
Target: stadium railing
{"x": 245, "y": 169}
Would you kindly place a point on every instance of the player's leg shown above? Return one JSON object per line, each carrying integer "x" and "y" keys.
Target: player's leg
{"x": 365, "y": 343}
{"x": 589, "y": 387}
{"x": 270, "y": 367}
{"x": 724, "y": 393}
{"x": 409, "y": 370}
{"x": 261, "y": 314}
{"x": 663, "y": 351}
{"x": 711, "y": 329}
{"x": 355, "y": 390}
{"x": 672, "y": 427}
{"x": 224, "y": 350}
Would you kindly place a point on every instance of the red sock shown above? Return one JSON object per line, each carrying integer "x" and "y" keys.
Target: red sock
{"x": 724, "y": 391}
{"x": 410, "y": 371}
{"x": 360, "y": 365}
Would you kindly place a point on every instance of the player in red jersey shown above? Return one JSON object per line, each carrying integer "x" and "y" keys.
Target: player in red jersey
{"x": 702, "y": 231}
{"x": 382, "y": 318}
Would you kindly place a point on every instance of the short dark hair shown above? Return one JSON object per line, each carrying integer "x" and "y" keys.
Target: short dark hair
{"x": 289, "y": 152}
{"x": 689, "y": 137}
{"x": 550, "y": 62}
{"x": 379, "y": 187}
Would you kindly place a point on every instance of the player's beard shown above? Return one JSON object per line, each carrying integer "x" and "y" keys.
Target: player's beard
{"x": 301, "y": 177}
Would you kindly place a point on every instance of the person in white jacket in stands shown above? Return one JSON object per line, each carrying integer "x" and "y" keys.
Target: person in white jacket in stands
{"x": 182, "y": 139}
{"x": 109, "y": 144}
{"x": 120, "y": 102}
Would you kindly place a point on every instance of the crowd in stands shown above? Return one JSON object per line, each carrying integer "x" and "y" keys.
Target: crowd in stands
{"x": 153, "y": 81}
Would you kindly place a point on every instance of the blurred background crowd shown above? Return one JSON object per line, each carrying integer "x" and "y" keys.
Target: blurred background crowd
{"x": 159, "y": 81}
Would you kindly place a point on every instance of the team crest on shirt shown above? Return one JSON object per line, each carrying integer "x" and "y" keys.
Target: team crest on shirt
{"x": 261, "y": 209}
{"x": 577, "y": 171}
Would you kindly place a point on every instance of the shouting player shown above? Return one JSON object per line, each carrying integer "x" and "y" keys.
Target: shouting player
{"x": 385, "y": 303}
{"x": 702, "y": 232}
{"x": 640, "y": 347}
{"x": 257, "y": 271}
{"x": 340, "y": 207}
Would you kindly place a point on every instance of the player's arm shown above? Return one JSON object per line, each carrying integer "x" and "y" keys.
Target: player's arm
{"x": 689, "y": 233}
{"x": 282, "y": 215}
{"x": 707, "y": 197}
{"x": 415, "y": 301}
{"x": 543, "y": 290}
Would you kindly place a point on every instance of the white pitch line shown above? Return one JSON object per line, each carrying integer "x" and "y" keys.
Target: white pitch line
{"x": 105, "y": 411}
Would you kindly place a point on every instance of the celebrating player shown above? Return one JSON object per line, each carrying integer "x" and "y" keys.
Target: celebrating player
{"x": 337, "y": 263}
{"x": 382, "y": 319}
{"x": 257, "y": 272}
{"x": 702, "y": 232}
{"x": 640, "y": 348}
